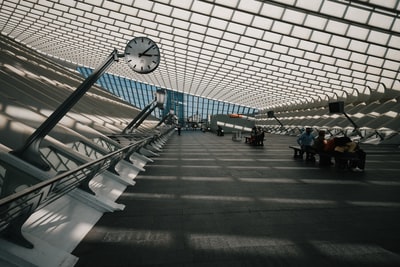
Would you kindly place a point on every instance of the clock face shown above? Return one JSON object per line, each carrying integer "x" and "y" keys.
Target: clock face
{"x": 142, "y": 55}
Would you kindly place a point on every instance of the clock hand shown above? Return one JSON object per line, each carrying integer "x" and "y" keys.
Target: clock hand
{"x": 147, "y": 55}
{"x": 144, "y": 53}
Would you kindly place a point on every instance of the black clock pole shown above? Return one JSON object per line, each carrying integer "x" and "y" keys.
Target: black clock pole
{"x": 144, "y": 117}
{"x": 135, "y": 120}
{"x": 30, "y": 151}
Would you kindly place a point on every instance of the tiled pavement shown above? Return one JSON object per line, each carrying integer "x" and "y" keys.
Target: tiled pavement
{"x": 210, "y": 201}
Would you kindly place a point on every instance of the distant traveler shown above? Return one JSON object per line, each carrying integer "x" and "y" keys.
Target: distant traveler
{"x": 260, "y": 137}
{"x": 220, "y": 131}
{"x": 305, "y": 141}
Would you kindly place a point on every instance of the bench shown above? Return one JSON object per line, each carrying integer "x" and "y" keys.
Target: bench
{"x": 249, "y": 139}
{"x": 298, "y": 152}
{"x": 346, "y": 160}
{"x": 325, "y": 158}
{"x": 342, "y": 160}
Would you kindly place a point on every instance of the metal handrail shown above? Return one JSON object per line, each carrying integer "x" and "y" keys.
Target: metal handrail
{"x": 15, "y": 209}
{"x": 93, "y": 152}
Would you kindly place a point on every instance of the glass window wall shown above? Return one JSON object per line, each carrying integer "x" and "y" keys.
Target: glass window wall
{"x": 188, "y": 108}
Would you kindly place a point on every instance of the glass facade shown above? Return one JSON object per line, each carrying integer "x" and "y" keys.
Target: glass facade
{"x": 188, "y": 108}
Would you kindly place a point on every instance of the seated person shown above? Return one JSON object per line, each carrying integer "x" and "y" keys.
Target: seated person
{"x": 319, "y": 147}
{"x": 345, "y": 146}
{"x": 330, "y": 146}
{"x": 253, "y": 136}
{"x": 319, "y": 142}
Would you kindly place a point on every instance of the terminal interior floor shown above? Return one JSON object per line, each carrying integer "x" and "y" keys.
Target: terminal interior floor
{"x": 210, "y": 201}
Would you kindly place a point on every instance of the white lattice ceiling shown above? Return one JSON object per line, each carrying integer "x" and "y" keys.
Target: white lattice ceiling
{"x": 261, "y": 54}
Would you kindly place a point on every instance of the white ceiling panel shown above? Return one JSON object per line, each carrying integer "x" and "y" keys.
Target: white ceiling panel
{"x": 256, "y": 53}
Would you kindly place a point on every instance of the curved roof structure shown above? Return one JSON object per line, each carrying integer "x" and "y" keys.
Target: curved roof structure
{"x": 261, "y": 54}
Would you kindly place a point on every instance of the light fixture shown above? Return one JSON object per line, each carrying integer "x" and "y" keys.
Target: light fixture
{"x": 338, "y": 107}
{"x": 270, "y": 114}
{"x": 160, "y": 97}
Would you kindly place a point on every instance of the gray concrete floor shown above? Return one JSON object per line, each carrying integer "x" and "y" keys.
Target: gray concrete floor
{"x": 210, "y": 201}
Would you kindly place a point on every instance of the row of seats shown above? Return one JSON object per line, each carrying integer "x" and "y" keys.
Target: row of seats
{"x": 32, "y": 87}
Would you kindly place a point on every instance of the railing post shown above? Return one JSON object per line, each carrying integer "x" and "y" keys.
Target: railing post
{"x": 13, "y": 233}
{"x": 30, "y": 150}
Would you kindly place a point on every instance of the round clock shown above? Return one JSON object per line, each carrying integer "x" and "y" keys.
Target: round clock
{"x": 142, "y": 55}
